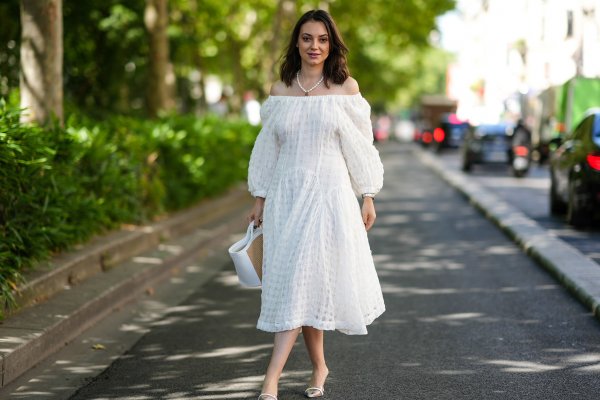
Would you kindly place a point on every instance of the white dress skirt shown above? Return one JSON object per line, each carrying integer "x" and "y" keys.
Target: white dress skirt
{"x": 312, "y": 158}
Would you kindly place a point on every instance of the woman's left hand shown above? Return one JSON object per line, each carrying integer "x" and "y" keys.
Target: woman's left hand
{"x": 368, "y": 212}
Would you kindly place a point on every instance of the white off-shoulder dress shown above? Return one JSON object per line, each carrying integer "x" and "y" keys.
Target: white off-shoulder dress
{"x": 312, "y": 158}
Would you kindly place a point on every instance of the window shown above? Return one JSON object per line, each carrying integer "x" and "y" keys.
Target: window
{"x": 569, "y": 23}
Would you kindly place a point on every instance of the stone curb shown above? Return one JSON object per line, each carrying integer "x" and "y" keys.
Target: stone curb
{"x": 25, "y": 347}
{"x": 578, "y": 273}
{"x": 103, "y": 253}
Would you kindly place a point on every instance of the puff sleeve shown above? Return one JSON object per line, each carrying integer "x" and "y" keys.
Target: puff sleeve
{"x": 264, "y": 154}
{"x": 356, "y": 139}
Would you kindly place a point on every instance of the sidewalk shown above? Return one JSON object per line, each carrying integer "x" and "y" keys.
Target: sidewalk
{"x": 74, "y": 291}
{"x": 578, "y": 273}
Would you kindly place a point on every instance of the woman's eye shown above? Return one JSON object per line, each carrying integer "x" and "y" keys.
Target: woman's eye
{"x": 323, "y": 40}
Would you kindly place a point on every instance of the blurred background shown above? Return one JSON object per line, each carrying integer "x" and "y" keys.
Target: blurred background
{"x": 223, "y": 52}
{"x": 496, "y": 59}
{"x": 531, "y": 59}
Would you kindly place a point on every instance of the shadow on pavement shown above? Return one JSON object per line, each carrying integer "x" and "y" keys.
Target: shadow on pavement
{"x": 468, "y": 316}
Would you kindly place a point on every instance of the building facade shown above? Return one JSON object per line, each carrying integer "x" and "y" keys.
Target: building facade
{"x": 513, "y": 49}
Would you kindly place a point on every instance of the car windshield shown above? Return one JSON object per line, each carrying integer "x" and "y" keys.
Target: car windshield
{"x": 492, "y": 130}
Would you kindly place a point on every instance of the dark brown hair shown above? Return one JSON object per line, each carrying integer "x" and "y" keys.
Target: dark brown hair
{"x": 335, "y": 68}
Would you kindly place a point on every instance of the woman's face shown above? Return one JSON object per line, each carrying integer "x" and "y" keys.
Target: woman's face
{"x": 313, "y": 43}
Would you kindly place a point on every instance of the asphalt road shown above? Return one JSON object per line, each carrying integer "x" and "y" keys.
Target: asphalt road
{"x": 468, "y": 317}
{"x": 531, "y": 195}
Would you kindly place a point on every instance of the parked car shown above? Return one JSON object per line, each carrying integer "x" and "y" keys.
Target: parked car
{"x": 381, "y": 128}
{"x": 487, "y": 144}
{"x": 450, "y": 133}
{"x": 575, "y": 172}
{"x": 422, "y": 134}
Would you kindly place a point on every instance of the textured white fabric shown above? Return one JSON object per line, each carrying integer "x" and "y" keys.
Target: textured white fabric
{"x": 317, "y": 266}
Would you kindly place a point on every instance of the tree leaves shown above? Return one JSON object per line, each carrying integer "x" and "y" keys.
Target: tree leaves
{"x": 240, "y": 41}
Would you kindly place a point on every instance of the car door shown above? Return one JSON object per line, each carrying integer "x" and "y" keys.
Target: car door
{"x": 569, "y": 156}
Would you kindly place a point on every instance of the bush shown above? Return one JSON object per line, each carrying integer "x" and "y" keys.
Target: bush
{"x": 59, "y": 186}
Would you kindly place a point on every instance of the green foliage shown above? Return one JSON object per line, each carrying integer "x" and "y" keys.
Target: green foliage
{"x": 105, "y": 54}
{"x": 10, "y": 30}
{"x": 389, "y": 46}
{"x": 59, "y": 186}
{"x": 243, "y": 39}
{"x": 200, "y": 157}
{"x": 240, "y": 41}
{"x": 430, "y": 77}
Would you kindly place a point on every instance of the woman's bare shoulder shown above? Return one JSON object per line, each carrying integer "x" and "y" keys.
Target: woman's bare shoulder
{"x": 350, "y": 86}
{"x": 279, "y": 89}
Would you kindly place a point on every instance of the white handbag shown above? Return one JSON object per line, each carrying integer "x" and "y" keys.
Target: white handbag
{"x": 247, "y": 257}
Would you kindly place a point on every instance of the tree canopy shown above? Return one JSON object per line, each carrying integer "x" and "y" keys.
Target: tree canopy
{"x": 106, "y": 48}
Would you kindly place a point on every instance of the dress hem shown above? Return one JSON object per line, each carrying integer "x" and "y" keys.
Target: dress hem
{"x": 343, "y": 327}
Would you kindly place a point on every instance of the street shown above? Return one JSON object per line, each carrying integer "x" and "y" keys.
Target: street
{"x": 530, "y": 195}
{"x": 468, "y": 316}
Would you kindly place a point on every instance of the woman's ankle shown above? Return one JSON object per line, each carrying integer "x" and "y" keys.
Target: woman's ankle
{"x": 319, "y": 375}
{"x": 269, "y": 387}
{"x": 320, "y": 369}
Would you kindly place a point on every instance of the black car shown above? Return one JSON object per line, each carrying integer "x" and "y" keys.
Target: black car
{"x": 575, "y": 172}
{"x": 451, "y": 132}
{"x": 487, "y": 144}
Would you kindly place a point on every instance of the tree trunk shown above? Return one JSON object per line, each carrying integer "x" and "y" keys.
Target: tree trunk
{"x": 285, "y": 10}
{"x": 41, "y": 82}
{"x": 161, "y": 78}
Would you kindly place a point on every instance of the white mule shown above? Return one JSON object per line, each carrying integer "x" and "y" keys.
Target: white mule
{"x": 314, "y": 392}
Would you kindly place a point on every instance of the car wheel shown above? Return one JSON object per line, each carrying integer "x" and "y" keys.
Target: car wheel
{"x": 578, "y": 213}
{"x": 557, "y": 206}
{"x": 519, "y": 166}
{"x": 467, "y": 166}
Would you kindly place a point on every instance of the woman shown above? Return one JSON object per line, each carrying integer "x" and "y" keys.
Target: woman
{"x": 315, "y": 147}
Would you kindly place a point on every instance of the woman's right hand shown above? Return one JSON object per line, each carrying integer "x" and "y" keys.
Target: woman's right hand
{"x": 256, "y": 214}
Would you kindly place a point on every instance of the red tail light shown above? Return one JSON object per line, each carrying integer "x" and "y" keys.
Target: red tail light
{"x": 427, "y": 137}
{"x": 593, "y": 161}
{"x": 438, "y": 135}
{"x": 521, "y": 151}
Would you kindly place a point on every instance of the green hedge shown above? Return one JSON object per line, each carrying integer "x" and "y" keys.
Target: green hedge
{"x": 59, "y": 186}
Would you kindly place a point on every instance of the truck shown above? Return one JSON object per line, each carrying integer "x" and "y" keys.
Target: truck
{"x": 557, "y": 110}
{"x": 439, "y": 126}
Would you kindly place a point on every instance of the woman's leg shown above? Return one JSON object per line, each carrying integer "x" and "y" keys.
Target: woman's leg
{"x": 284, "y": 341}
{"x": 313, "y": 338}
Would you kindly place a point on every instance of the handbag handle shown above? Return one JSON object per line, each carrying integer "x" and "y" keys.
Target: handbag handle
{"x": 252, "y": 230}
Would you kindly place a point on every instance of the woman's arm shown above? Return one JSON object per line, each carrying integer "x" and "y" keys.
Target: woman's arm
{"x": 256, "y": 214}
{"x": 368, "y": 212}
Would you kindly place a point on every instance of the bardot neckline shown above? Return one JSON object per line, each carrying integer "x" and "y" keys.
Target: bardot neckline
{"x": 322, "y": 95}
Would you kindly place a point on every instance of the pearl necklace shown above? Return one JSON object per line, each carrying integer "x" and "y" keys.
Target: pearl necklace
{"x": 306, "y": 92}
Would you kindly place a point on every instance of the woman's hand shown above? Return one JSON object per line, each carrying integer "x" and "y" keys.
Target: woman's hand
{"x": 368, "y": 212}
{"x": 256, "y": 214}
